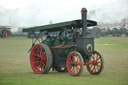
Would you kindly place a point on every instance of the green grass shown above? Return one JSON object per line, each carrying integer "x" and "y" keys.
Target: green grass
{"x": 15, "y": 68}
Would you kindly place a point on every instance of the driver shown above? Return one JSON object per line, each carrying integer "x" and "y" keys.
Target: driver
{"x": 46, "y": 39}
{"x": 45, "y": 36}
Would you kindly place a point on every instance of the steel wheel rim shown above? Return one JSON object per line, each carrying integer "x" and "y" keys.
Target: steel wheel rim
{"x": 38, "y": 59}
{"x": 74, "y": 64}
{"x": 96, "y": 63}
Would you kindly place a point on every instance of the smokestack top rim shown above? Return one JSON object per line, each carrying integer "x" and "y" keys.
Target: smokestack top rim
{"x": 84, "y": 10}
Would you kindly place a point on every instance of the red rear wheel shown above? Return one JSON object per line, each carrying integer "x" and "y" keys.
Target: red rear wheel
{"x": 41, "y": 58}
{"x": 96, "y": 65}
{"x": 75, "y": 63}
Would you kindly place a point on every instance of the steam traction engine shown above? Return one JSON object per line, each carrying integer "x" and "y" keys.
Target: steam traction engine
{"x": 67, "y": 47}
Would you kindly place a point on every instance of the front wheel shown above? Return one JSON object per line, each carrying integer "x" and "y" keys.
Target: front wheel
{"x": 96, "y": 63}
{"x": 75, "y": 63}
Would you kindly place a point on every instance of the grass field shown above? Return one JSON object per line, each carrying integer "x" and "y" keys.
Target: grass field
{"x": 15, "y": 66}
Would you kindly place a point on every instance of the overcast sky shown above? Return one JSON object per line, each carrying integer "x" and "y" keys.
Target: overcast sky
{"x": 27, "y": 13}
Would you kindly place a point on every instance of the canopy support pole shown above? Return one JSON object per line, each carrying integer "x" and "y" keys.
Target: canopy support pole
{"x": 35, "y": 40}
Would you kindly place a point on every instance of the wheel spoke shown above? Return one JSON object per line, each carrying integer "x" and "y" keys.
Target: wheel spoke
{"x": 73, "y": 68}
{"x": 98, "y": 62}
{"x": 77, "y": 69}
{"x": 99, "y": 66}
{"x": 79, "y": 64}
{"x": 44, "y": 57}
{"x": 93, "y": 57}
{"x": 40, "y": 66}
{"x": 90, "y": 68}
{"x": 35, "y": 62}
{"x": 40, "y": 51}
{"x": 74, "y": 59}
{"x": 37, "y": 59}
{"x": 43, "y": 63}
{"x": 90, "y": 65}
{"x": 37, "y": 51}
{"x": 70, "y": 60}
{"x": 94, "y": 70}
{"x": 35, "y": 55}
{"x": 98, "y": 58}
{"x": 77, "y": 58}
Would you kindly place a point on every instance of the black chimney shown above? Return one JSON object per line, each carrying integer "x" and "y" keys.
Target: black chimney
{"x": 84, "y": 21}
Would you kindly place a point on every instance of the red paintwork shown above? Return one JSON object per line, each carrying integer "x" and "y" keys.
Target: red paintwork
{"x": 83, "y": 11}
{"x": 94, "y": 64}
{"x": 38, "y": 59}
{"x": 74, "y": 64}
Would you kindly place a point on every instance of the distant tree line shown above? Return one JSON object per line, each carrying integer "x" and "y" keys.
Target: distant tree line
{"x": 97, "y": 32}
